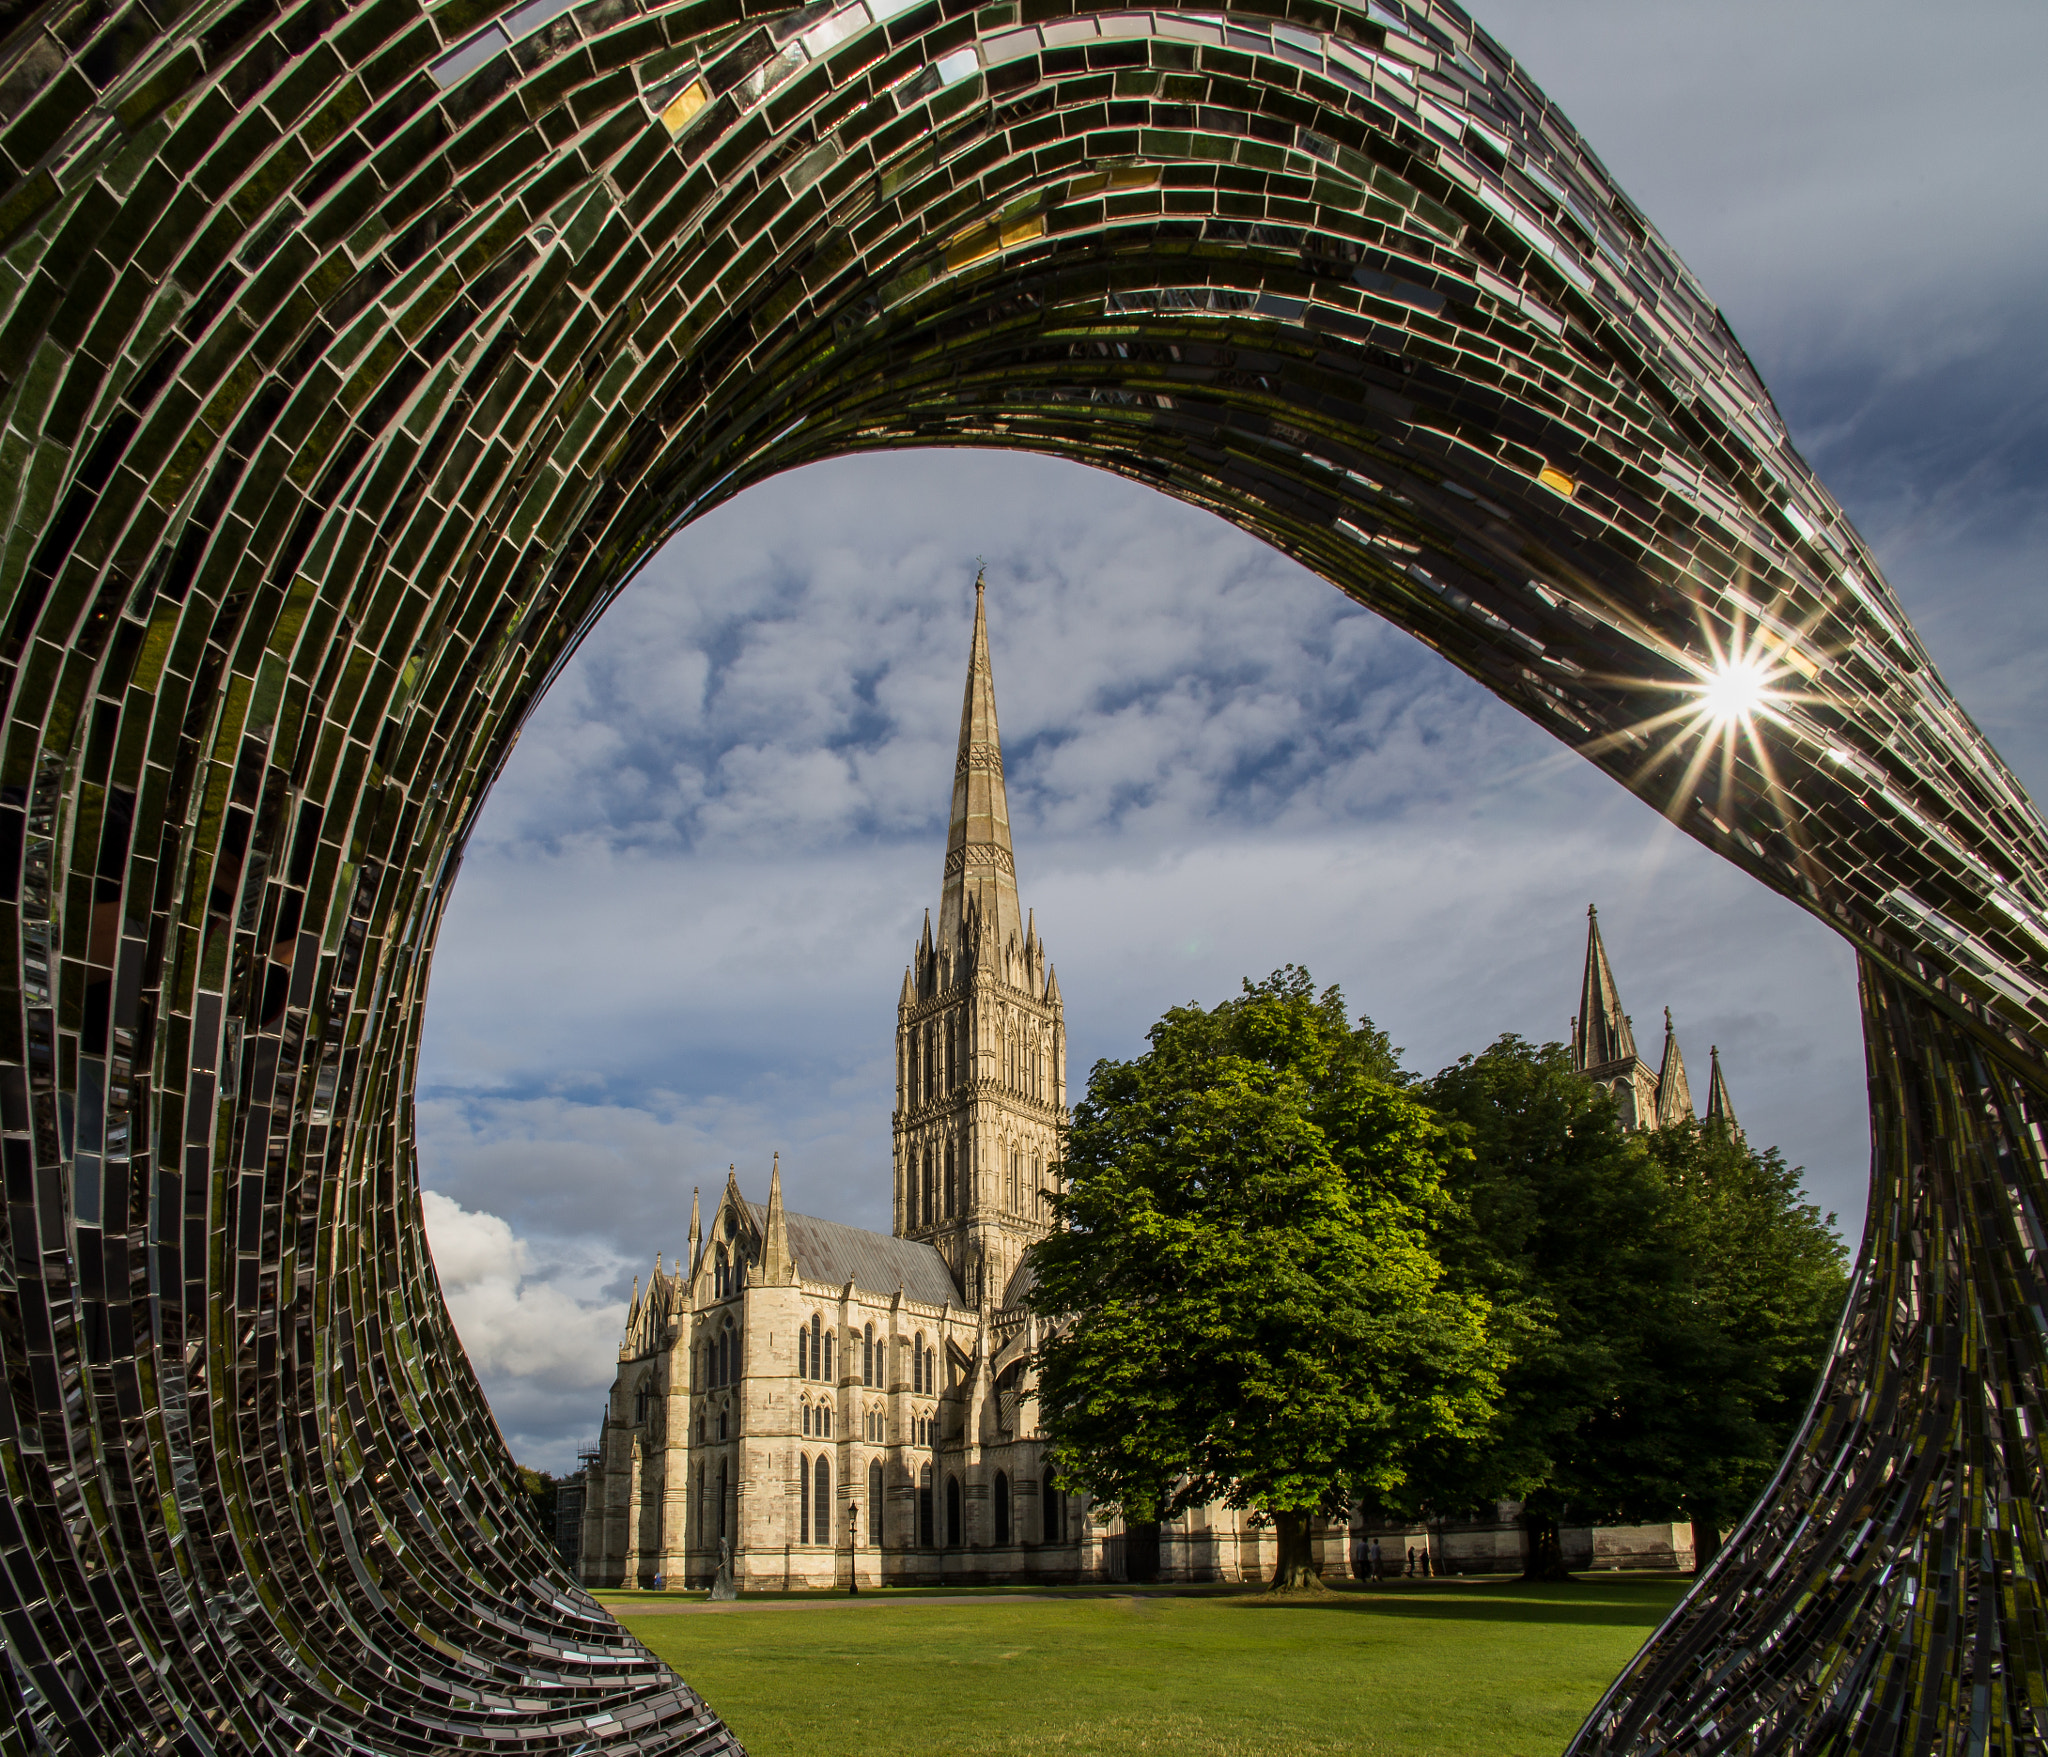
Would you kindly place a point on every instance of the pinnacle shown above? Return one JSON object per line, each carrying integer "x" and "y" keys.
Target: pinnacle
{"x": 1603, "y": 1033}
{"x": 981, "y": 868}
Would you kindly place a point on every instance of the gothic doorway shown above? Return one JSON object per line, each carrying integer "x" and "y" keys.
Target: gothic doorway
{"x": 1141, "y": 1552}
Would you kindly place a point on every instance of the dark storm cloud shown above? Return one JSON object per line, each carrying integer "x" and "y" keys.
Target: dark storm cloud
{"x": 681, "y": 925}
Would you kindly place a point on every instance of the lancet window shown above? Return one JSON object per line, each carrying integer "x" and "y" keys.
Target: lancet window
{"x": 917, "y": 1365}
{"x": 875, "y": 1502}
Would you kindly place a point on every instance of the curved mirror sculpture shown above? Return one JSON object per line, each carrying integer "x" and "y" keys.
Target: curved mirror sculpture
{"x": 353, "y": 356}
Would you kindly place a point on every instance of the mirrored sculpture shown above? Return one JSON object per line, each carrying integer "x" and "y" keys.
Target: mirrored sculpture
{"x": 352, "y": 357}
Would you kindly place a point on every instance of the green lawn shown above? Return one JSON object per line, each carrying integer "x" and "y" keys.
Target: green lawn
{"x": 1437, "y": 1669}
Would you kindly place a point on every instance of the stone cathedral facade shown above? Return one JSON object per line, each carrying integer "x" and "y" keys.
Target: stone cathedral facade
{"x": 835, "y": 1404}
{"x": 830, "y": 1404}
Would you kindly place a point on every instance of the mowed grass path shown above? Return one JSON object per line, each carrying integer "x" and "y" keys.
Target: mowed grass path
{"x": 1436, "y": 1668}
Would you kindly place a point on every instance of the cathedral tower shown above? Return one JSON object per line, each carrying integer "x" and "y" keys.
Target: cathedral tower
{"x": 1604, "y": 1039}
{"x": 981, "y": 1040}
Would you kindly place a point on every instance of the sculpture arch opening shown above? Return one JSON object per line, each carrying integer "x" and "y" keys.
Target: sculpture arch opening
{"x": 353, "y": 358}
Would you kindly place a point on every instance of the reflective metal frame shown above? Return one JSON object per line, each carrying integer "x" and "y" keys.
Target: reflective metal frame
{"x": 353, "y": 357}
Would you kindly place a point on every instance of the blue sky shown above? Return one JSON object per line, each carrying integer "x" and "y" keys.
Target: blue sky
{"x": 680, "y": 927}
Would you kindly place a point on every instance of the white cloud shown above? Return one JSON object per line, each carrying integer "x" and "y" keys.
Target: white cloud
{"x": 518, "y": 1326}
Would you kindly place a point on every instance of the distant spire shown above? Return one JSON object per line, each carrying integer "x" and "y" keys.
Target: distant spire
{"x": 777, "y": 1266}
{"x": 1603, "y": 1033}
{"x": 981, "y": 869}
{"x": 1674, "y": 1093}
{"x": 696, "y": 1231}
{"x": 1720, "y": 1107}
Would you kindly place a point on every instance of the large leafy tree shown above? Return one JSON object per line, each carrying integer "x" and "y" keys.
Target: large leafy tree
{"x": 1243, "y": 1303}
{"x": 1666, "y": 1298}
{"x": 1767, "y": 1276}
{"x": 1565, "y": 1227}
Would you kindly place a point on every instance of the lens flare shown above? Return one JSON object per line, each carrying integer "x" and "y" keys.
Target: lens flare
{"x": 1737, "y": 688}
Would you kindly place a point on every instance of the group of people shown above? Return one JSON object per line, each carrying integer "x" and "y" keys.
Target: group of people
{"x": 1420, "y": 1562}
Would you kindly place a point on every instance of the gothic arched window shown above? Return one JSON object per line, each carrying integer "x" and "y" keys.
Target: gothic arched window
{"x": 1052, "y": 1524}
{"x": 803, "y": 1352}
{"x": 952, "y": 1183}
{"x": 821, "y": 1494}
{"x": 924, "y": 1506}
{"x": 803, "y": 1496}
{"x": 719, "y": 1271}
{"x": 931, "y": 1176}
{"x": 875, "y": 1502}
{"x": 807, "y": 1418}
{"x": 721, "y": 1498}
{"x": 867, "y": 1355}
{"x": 917, "y": 1366}
{"x": 952, "y": 1512}
{"x": 1002, "y": 1508}
{"x": 817, "y": 1357}
{"x": 931, "y": 1371}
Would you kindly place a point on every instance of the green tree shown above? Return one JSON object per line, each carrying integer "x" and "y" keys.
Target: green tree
{"x": 1768, "y": 1277}
{"x": 1565, "y": 1227}
{"x": 1666, "y": 1298}
{"x": 1243, "y": 1304}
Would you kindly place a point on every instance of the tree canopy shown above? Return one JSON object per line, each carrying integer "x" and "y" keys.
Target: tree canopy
{"x": 1289, "y": 1274}
{"x": 1243, "y": 1302}
{"x": 1666, "y": 1296}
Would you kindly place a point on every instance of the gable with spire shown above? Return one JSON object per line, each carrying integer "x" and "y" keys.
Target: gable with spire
{"x": 1603, "y": 1048}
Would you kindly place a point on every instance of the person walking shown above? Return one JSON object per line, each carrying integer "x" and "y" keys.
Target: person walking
{"x": 1376, "y": 1558}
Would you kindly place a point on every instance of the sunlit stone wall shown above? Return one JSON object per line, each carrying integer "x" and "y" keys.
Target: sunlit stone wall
{"x": 352, "y": 357}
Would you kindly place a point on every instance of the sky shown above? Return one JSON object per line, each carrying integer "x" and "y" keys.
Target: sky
{"x": 683, "y": 918}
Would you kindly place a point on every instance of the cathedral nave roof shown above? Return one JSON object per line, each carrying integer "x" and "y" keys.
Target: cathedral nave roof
{"x": 875, "y": 1262}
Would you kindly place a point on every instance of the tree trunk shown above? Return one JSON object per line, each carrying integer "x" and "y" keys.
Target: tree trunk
{"x": 1706, "y": 1542}
{"x": 1545, "y": 1558}
{"x": 1296, "y": 1569}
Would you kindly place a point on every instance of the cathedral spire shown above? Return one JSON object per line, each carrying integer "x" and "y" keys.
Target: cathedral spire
{"x": 778, "y": 1266}
{"x": 1602, "y": 1034}
{"x": 1674, "y": 1092}
{"x": 1720, "y": 1107}
{"x": 696, "y": 1234}
{"x": 981, "y": 870}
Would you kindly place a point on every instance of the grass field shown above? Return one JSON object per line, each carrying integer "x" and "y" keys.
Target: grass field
{"x": 1444, "y": 1668}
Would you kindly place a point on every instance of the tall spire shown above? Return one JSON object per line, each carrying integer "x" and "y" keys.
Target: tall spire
{"x": 1674, "y": 1092}
{"x": 777, "y": 1264}
{"x": 1602, "y": 1034}
{"x": 981, "y": 869}
{"x": 1720, "y": 1107}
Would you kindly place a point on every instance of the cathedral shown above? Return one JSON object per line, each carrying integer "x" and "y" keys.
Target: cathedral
{"x": 828, "y": 1405}
{"x": 824, "y": 1406}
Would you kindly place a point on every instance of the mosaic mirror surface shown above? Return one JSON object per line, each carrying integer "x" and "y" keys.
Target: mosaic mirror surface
{"x": 353, "y": 356}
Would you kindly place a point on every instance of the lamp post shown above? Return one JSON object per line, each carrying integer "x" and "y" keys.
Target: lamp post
{"x": 852, "y": 1548}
